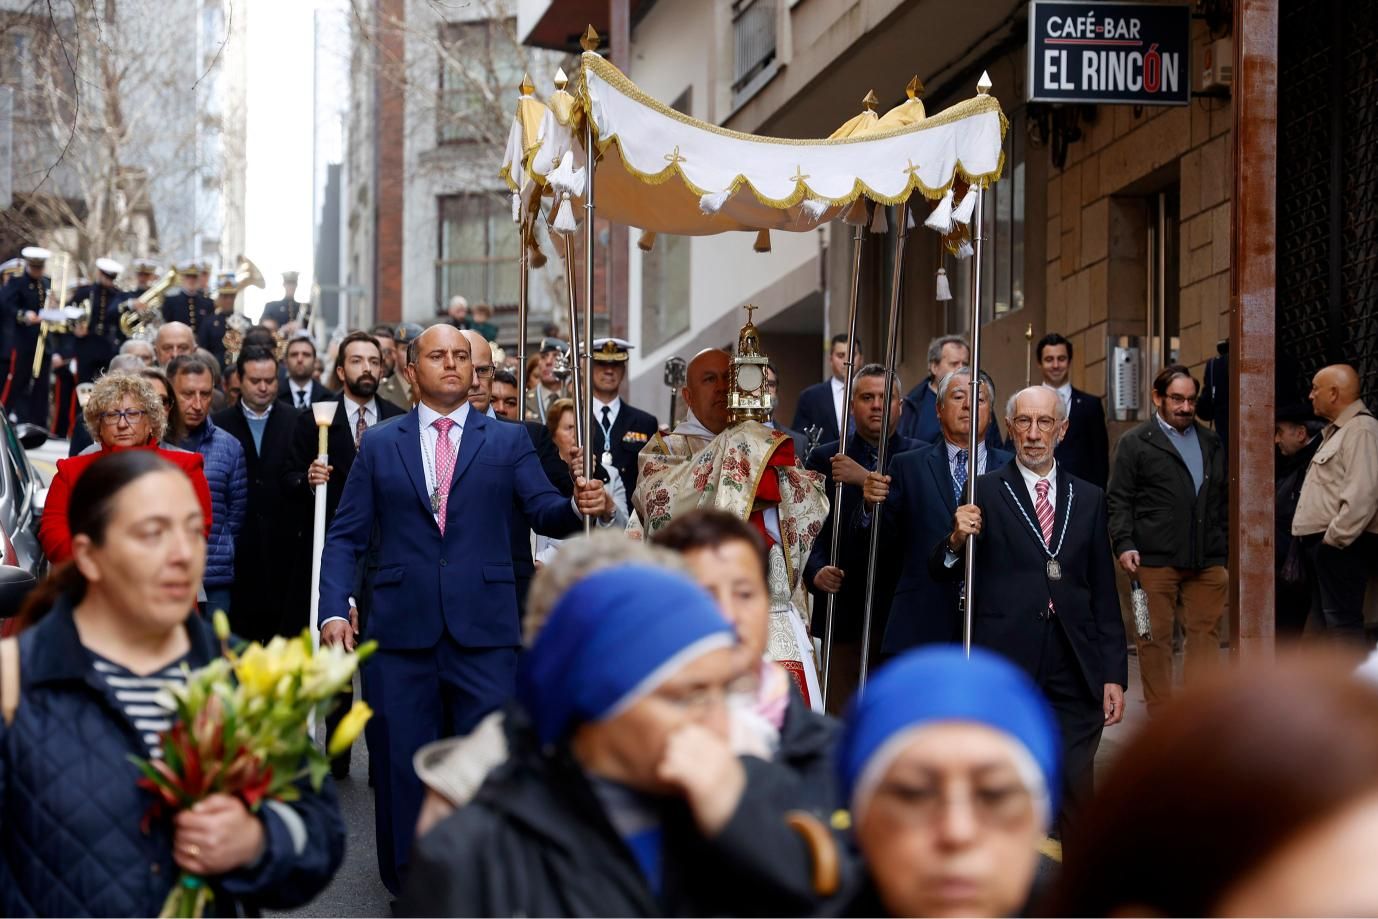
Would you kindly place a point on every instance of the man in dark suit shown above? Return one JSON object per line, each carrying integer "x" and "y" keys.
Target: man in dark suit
{"x": 820, "y": 405}
{"x": 299, "y": 387}
{"x": 1044, "y": 584}
{"x": 946, "y": 353}
{"x": 444, "y": 595}
{"x": 847, "y": 578}
{"x": 1085, "y": 451}
{"x": 920, "y": 495}
{"x": 619, "y": 430}
{"x": 264, "y": 429}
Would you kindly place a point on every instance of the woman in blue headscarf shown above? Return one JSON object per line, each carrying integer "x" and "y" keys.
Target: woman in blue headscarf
{"x": 949, "y": 766}
{"x": 623, "y": 796}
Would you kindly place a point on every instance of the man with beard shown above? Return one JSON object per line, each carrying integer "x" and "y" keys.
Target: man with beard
{"x": 357, "y": 409}
{"x": 1169, "y": 526}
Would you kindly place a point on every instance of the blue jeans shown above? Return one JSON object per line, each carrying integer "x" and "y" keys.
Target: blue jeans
{"x": 217, "y": 598}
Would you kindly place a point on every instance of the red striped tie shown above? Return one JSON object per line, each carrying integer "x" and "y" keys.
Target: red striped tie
{"x": 1044, "y": 510}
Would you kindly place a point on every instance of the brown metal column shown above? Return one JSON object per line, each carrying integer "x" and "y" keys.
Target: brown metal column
{"x": 1252, "y": 328}
{"x": 389, "y": 161}
{"x": 616, "y": 286}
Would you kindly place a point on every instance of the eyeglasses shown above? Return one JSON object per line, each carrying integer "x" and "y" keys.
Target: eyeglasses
{"x": 1022, "y": 424}
{"x": 1181, "y": 400}
{"x": 483, "y": 371}
{"x": 130, "y": 416}
{"x": 994, "y": 806}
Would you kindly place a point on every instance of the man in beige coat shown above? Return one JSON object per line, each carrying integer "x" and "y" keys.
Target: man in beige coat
{"x": 1337, "y": 513}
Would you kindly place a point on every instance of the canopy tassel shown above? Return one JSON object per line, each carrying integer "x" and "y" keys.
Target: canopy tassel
{"x": 909, "y": 221}
{"x": 941, "y": 218}
{"x": 762, "y": 241}
{"x": 711, "y": 204}
{"x": 963, "y": 211}
{"x": 538, "y": 258}
{"x": 565, "y": 178}
{"x": 647, "y": 241}
{"x": 564, "y": 217}
{"x": 856, "y": 214}
{"x": 813, "y": 208}
{"x": 964, "y": 250}
{"x": 879, "y": 223}
{"x": 516, "y": 208}
{"x": 944, "y": 288}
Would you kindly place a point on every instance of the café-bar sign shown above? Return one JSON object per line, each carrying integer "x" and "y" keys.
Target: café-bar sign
{"x": 1136, "y": 53}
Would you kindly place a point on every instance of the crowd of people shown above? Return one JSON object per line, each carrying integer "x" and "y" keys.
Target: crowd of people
{"x": 599, "y": 693}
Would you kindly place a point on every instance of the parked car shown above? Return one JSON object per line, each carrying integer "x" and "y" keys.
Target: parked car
{"x": 21, "y": 491}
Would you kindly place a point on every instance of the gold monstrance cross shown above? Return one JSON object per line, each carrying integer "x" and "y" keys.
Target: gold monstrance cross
{"x": 673, "y": 158}
{"x": 749, "y": 307}
{"x": 799, "y": 174}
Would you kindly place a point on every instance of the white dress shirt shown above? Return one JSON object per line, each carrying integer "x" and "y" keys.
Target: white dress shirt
{"x": 613, "y": 408}
{"x": 953, "y": 450}
{"x": 1064, "y": 392}
{"x": 839, "y": 391}
{"x": 1031, "y": 483}
{"x": 430, "y": 436}
{"x": 301, "y": 394}
{"x": 352, "y": 413}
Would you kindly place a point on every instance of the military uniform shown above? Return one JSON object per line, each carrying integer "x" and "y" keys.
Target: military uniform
{"x": 211, "y": 335}
{"x": 94, "y": 350}
{"x": 188, "y": 308}
{"x": 619, "y": 430}
{"x": 24, "y": 395}
{"x": 281, "y": 311}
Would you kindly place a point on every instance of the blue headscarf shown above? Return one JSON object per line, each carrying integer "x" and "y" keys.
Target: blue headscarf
{"x": 940, "y": 684}
{"x": 613, "y": 637}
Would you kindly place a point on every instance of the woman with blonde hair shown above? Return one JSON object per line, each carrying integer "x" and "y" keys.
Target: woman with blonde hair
{"x": 124, "y": 412}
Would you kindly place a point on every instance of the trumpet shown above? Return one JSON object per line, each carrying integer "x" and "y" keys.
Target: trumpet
{"x": 245, "y": 275}
{"x": 144, "y": 316}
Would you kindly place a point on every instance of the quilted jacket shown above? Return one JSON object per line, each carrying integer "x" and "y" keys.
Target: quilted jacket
{"x": 227, "y": 474}
{"x": 70, "y": 813}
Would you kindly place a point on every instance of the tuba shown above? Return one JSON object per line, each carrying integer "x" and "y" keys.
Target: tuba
{"x": 144, "y": 316}
{"x": 245, "y": 275}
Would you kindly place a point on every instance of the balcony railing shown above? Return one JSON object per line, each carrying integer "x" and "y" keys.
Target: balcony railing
{"x": 753, "y": 29}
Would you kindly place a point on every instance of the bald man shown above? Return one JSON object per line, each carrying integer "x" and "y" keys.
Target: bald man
{"x": 174, "y": 339}
{"x": 433, "y": 493}
{"x": 1337, "y": 513}
{"x": 750, "y": 471}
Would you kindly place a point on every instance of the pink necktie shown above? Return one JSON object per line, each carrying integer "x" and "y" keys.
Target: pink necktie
{"x": 444, "y": 467}
{"x": 1044, "y": 510}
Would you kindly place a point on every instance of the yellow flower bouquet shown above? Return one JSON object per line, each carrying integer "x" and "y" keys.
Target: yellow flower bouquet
{"x": 240, "y": 728}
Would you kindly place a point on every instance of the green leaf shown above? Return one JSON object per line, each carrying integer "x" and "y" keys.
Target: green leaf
{"x": 319, "y": 770}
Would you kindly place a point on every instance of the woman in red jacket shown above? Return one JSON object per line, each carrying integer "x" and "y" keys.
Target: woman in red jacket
{"x": 124, "y": 412}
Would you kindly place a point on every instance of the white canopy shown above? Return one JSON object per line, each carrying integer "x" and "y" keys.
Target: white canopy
{"x": 662, "y": 171}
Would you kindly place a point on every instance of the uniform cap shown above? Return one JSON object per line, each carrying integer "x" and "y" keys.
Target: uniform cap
{"x": 145, "y": 266}
{"x": 611, "y": 350}
{"x": 553, "y": 344}
{"x": 289, "y": 277}
{"x": 35, "y": 254}
{"x": 190, "y": 268}
{"x": 109, "y": 266}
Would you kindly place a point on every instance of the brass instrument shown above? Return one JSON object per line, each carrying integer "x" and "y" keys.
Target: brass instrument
{"x": 47, "y": 326}
{"x": 245, "y": 275}
{"x": 144, "y": 316}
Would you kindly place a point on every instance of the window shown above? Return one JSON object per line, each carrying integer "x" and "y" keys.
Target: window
{"x": 478, "y": 250}
{"x": 17, "y": 68}
{"x": 665, "y": 277}
{"x": 476, "y": 59}
{"x": 753, "y": 35}
{"x": 1002, "y": 257}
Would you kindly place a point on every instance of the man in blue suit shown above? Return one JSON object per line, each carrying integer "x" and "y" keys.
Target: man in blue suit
{"x": 847, "y": 578}
{"x": 946, "y": 353}
{"x": 443, "y": 593}
{"x": 920, "y": 495}
{"x": 1085, "y": 450}
{"x": 820, "y": 405}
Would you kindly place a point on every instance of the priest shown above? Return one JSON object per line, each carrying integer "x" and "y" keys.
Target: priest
{"x": 723, "y": 456}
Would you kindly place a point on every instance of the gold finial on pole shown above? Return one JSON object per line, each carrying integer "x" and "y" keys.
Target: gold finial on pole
{"x": 589, "y": 41}
{"x": 526, "y": 88}
{"x": 750, "y": 308}
{"x": 915, "y": 88}
{"x": 560, "y": 79}
{"x": 870, "y": 101}
{"x": 984, "y": 84}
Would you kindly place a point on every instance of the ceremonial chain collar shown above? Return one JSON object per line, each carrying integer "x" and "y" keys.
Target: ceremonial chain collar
{"x": 1038, "y": 533}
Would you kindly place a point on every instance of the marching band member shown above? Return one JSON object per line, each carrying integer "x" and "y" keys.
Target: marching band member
{"x": 24, "y": 394}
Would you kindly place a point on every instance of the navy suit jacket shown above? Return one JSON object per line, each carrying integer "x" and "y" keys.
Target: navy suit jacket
{"x": 1012, "y": 584}
{"x": 853, "y": 549}
{"x": 427, "y": 584}
{"x": 816, "y": 407}
{"x": 1085, "y": 451}
{"x": 918, "y": 513}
